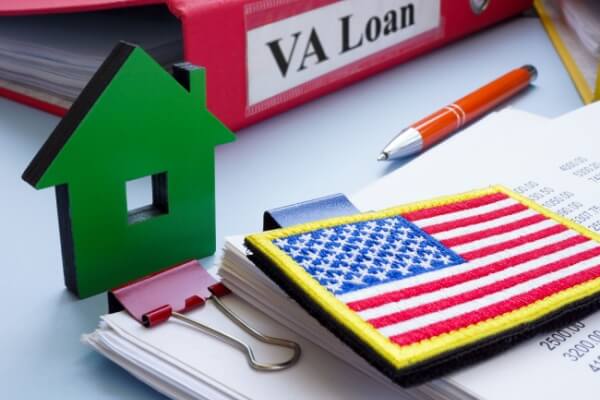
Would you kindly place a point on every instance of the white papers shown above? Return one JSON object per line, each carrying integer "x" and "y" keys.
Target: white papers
{"x": 551, "y": 161}
{"x": 185, "y": 363}
{"x": 58, "y": 54}
{"x": 563, "y": 363}
{"x": 583, "y": 17}
{"x": 511, "y": 148}
{"x": 574, "y": 23}
{"x": 491, "y": 151}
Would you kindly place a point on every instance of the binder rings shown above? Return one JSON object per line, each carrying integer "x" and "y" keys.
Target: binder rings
{"x": 264, "y": 57}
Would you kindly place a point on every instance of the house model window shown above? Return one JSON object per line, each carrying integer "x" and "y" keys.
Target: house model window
{"x": 147, "y": 197}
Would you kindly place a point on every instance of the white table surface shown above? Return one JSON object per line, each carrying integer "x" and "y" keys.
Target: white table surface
{"x": 326, "y": 146}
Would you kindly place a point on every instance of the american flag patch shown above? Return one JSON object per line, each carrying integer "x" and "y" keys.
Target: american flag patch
{"x": 416, "y": 283}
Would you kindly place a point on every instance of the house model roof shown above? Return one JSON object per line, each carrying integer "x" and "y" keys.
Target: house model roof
{"x": 151, "y": 93}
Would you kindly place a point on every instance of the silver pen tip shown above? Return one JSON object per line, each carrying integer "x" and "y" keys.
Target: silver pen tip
{"x": 383, "y": 156}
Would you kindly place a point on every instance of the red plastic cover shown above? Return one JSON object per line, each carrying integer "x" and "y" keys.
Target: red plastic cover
{"x": 28, "y": 7}
{"x": 237, "y": 42}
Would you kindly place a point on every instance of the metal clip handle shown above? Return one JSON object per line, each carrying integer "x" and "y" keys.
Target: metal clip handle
{"x": 240, "y": 344}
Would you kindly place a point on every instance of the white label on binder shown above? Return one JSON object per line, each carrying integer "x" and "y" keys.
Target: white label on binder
{"x": 293, "y": 51}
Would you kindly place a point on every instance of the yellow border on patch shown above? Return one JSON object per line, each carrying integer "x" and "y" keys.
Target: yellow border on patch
{"x": 405, "y": 356}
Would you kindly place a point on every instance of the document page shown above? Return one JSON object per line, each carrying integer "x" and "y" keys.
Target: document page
{"x": 57, "y": 54}
{"x": 561, "y": 363}
{"x": 556, "y": 164}
{"x": 212, "y": 366}
{"x": 496, "y": 150}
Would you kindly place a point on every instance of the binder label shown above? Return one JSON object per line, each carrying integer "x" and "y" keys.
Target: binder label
{"x": 313, "y": 46}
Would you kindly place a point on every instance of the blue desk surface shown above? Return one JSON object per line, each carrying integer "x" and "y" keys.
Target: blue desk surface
{"x": 327, "y": 146}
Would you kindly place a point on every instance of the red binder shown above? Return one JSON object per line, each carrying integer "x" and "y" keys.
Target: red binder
{"x": 265, "y": 56}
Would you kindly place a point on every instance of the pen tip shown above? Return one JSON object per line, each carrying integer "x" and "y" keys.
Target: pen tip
{"x": 382, "y": 157}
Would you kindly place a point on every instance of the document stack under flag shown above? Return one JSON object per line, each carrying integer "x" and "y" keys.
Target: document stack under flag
{"x": 185, "y": 364}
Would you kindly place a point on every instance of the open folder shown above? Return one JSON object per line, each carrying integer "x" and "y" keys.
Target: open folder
{"x": 184, "y": 363}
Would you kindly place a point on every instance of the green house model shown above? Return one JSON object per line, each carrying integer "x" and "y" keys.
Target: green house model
{"x": 132, "y": 120}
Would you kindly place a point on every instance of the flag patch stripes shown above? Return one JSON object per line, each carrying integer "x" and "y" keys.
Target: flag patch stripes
{"x": 418, "y": 274}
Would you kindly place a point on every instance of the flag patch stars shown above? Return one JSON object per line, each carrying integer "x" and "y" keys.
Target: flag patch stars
{"x": 363, "y": 254}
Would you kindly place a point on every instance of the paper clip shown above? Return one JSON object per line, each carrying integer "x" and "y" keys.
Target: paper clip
{"x": 172, "y": 292}
{"x": 240, "y": 344}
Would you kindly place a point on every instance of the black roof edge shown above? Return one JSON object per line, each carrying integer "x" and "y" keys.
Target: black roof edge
{"x": 81, "y": 106}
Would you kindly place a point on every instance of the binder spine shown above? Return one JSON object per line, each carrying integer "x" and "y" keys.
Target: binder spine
{"x": 252, "y": 76}
{"x": 264, "y": 56}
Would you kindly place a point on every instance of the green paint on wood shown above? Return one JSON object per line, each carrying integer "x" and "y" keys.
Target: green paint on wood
{"x": 143, "y": 122}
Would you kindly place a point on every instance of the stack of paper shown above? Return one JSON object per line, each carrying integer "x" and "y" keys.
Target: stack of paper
{"x": 574, "y": 27}
{"x": 52, "y": 57}
{"x": 551, "y": 162}
{"x": 583, "y": 17}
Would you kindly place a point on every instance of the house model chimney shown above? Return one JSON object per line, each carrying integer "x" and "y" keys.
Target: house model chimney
{"x": 193, "y": 79}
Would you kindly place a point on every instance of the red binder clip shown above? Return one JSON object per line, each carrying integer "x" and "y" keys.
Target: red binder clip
{"x": 172, "y": 292}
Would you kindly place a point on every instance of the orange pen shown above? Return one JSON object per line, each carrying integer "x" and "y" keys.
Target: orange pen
{"x": 433, "y": 128}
